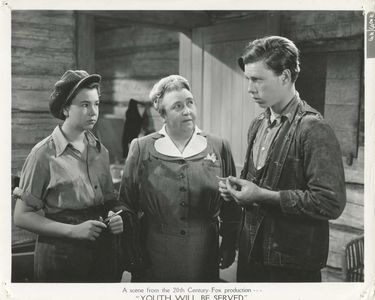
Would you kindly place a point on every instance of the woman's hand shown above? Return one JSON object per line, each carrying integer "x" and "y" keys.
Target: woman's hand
{"x": 89, "y": 230}
{"x": 115, "y": 223}
{"x": 224, "y": 193}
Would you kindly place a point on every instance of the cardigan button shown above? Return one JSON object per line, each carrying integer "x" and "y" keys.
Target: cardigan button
{"x": 183, "y": 232}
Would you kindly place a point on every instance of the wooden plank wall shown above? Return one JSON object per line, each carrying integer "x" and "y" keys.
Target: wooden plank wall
{"x": 130, "y": 58}
{"x": 43, "y": 47}
{"x": 337, "y": 40}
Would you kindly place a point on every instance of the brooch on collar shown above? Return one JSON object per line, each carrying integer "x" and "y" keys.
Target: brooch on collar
{"x": 211, "y": 157}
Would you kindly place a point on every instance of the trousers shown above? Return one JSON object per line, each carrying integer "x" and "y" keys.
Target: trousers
{"x": 59, "y": 259}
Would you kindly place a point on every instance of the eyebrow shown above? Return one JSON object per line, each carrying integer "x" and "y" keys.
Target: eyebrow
{"x": 177, "y": 102}
{"x": 88, "y": 101}
{"x": 253, "y": 77}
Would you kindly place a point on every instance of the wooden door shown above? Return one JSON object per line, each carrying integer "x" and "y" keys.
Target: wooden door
{"x": 209, "y": 60}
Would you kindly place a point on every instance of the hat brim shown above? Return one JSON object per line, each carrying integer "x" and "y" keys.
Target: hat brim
{"x": 87, "y": 80}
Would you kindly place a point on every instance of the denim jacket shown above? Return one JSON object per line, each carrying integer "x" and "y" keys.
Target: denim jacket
{"x": 304, "y": 163}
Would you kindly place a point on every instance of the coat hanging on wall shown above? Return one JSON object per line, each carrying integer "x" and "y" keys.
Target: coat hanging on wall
{"x": 136, "y": 123}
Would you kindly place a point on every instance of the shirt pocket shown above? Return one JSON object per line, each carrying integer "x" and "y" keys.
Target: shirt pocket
{"x": 68, "y": 193}
{"x": 105, "y": 184}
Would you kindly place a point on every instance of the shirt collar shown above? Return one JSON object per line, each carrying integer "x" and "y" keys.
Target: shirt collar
{"x": 61, "y": 142}
{"x": 287, "y": 112}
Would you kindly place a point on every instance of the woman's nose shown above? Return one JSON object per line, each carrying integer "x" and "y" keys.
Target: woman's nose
{"x": 186, "y": 110}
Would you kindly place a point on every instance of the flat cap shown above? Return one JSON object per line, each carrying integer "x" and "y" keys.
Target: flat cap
{"x": 70, "y": 82}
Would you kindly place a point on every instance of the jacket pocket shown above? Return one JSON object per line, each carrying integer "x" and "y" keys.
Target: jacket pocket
{"x": 291, "y": 236}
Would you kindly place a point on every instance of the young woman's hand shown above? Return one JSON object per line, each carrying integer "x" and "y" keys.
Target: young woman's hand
{"x": 115, "y": 223}
{"x": 88, "y": 230}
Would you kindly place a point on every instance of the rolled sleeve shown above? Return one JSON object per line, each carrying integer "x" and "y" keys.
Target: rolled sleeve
{"x": 34, "y": 181}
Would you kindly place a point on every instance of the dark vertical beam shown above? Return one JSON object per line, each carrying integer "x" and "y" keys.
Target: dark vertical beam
{"x": 85, "y": 42}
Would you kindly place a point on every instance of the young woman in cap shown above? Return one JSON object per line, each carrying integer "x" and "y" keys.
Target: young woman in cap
{"x": 66, "y": 193}
{"x": 171, "y": 178}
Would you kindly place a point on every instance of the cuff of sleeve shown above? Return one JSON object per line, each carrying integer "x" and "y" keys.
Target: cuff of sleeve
{"x": 288, "y": 203}
{"x": 17, "y": 192}
{"x": 29, "y": 199}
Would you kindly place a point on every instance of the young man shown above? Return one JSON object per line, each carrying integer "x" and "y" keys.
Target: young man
{"x": 66, "y": 191}
{"x": 292, "y": 182}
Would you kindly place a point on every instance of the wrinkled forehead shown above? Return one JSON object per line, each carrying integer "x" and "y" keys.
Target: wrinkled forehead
{"x": 181, "y": 94}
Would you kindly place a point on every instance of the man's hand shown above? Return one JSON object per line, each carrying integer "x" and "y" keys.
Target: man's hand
{"x": 243, "y": 191}
{"x": 89, "y": 230}
{"x": 115, "y": 223}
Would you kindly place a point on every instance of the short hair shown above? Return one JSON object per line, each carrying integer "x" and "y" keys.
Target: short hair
{"x": 278, "y": 53}
{"x": 165, "y": 85}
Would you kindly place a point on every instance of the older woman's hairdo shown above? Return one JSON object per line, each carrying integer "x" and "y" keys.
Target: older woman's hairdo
{"x": 165, "y": 85}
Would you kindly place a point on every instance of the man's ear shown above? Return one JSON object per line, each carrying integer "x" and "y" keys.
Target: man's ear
{"x": 66, "y": 111}
{"x": 286, "y": 76}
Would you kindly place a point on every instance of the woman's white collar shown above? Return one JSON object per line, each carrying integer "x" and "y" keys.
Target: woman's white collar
{"x": 195, "y": 146}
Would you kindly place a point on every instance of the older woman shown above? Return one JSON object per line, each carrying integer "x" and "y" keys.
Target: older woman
{"x": 170, "y": 178}
{"x": 66, "y": 191}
